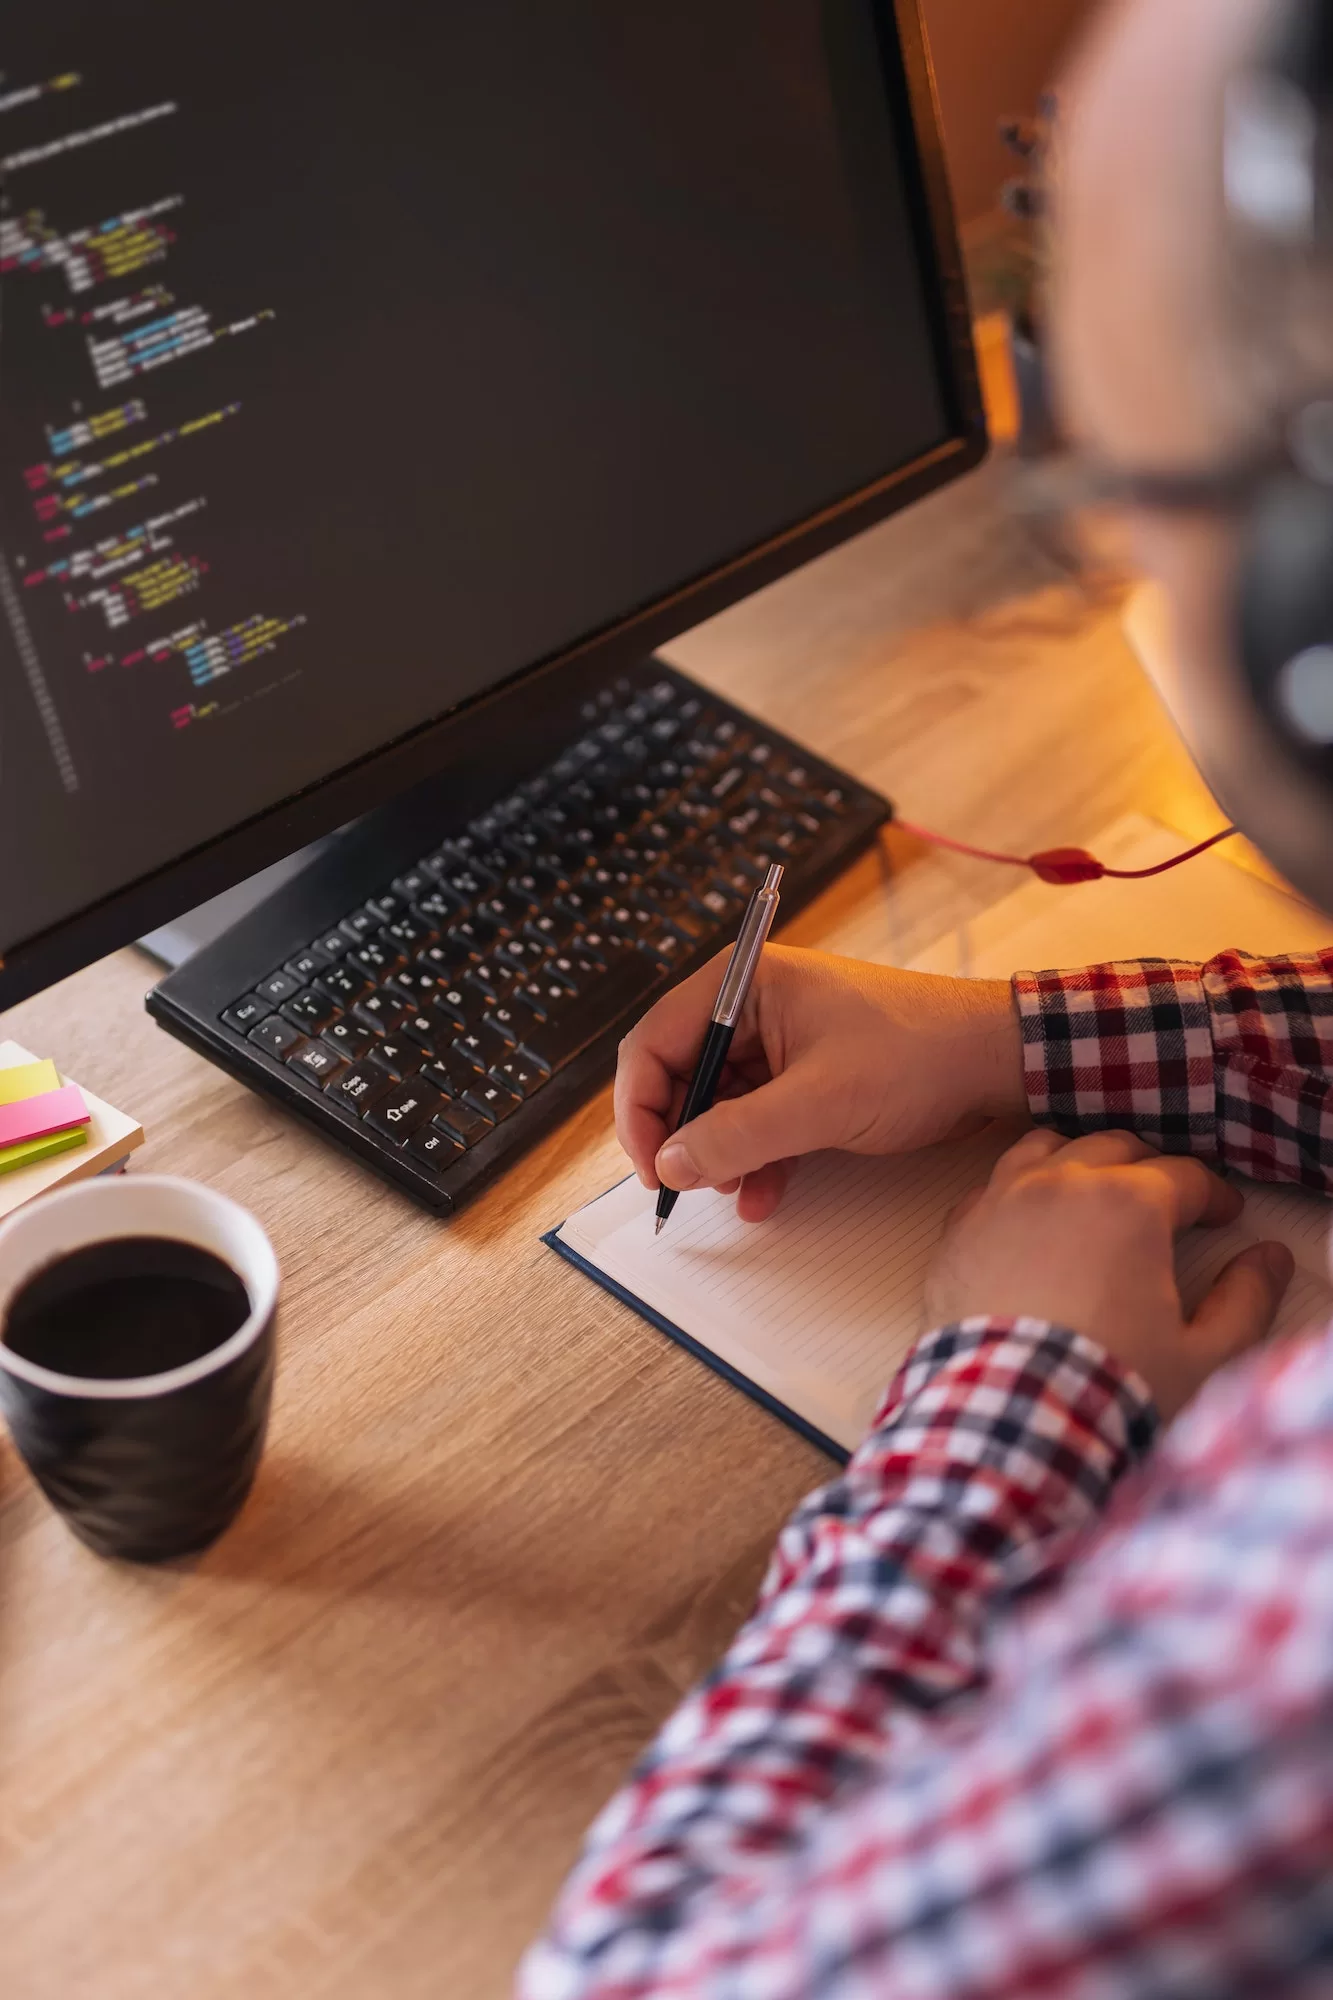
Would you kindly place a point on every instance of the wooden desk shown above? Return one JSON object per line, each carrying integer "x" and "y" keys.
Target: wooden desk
{"x": 502, "y": 1524}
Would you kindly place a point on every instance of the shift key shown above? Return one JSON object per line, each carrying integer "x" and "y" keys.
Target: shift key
{"x": 405, "y": 1107}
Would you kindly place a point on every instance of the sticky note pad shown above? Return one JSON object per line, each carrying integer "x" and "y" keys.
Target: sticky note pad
{"x": 34, "y": 1117}
{"x": 29, "y": 1150}
{"x": 30, "y": 1079}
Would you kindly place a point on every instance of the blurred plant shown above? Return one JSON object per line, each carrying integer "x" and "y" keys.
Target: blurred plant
{"x": 1010, "y": 267}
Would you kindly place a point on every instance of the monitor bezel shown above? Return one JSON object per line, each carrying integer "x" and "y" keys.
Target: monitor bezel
{"x": 393, "y": 768}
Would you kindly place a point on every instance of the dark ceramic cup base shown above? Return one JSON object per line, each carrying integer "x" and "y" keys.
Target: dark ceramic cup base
{"x": 152, "y": 1468}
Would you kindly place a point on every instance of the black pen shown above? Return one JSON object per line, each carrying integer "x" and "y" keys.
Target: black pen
{"x": 731, "y": 998}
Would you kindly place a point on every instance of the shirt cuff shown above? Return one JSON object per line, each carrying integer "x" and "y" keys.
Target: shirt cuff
{"x": 1128, "y": 1046}
{"x": 1054, "y": 1406}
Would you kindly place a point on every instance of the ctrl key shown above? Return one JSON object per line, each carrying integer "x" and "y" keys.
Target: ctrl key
{"x": 434, "y": 1148}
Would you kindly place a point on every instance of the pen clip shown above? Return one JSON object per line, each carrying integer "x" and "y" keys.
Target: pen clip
{"x": 755, "y": 927}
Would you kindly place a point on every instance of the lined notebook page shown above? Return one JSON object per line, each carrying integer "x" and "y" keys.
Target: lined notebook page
{"x": 819, "y": 1305}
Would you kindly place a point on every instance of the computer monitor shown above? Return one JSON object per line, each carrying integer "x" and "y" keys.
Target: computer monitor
{"x": 363, "y": 367}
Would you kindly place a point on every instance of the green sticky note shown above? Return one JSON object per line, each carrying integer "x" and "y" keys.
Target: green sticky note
{"x": 28, "y": 1150}
{"x": 23, "y": 1080}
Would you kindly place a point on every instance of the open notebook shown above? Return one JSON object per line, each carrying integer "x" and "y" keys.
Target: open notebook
{"x": 812, "y": 1311}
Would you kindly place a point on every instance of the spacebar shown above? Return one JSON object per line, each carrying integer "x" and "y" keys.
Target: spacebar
{"x": 554, "y": 1043}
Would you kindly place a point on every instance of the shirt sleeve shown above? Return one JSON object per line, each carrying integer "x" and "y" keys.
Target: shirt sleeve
{"x": 1139, "y": 1803}
{"x": 1231, "y": 1060}
{"x": 998, "y": 1441}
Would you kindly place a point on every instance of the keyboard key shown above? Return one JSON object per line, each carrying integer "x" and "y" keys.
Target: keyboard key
{"x": 434, "y": 1147}
{"x": 537, "y": 883}
{"x": 397, "y": 1057}
{"x": 360, "y": 924}
{"x": 243, "y": 1013}
{"x": 316, "y": 1061}
{"x": 459, "y": 1118}
{"x": 483, "y": 1045}
{"x": 455, "y": 1006}
{"x": 550, "y": 929}
{"x": 578, "y": 965}
{"x": 449, "y": 955}
{"x": 387, "y": 907}
{"x": 724, "y": 784}
{"x": 524, "y": 952}
{"x": 437, "y": 908}
{"x": 494, "y": 978}
{"x": 409, "y": 934}
{"x": 348, "y": 1039}
{"x": 506, "y": 1021}
{"x": 361, "y": 1086}
{"x": 279, "y": 986}
{"x": 414, "y": 985}
{"x": 414, "y": 882}
{"x": 478, "y": 933}
{"x": 545, "y": 997}
{"x": 275, "y": 1035}
{"x": 333, "y": 944}
{"x": 666, "y": 948}
{"x": 721, "y": 903}
{"x": 466, "y": 882}
{"x": 509, "y": 906}
{"x": 379, "y": 1012}
{"x": 405, "y": 1108}
{"x": 427, "y": 1031}
{"x": 342, "y": 983}
{"x": 492, "y": 1100}
{"x": 307, "y": 963}
{"x": 376, "y": 957}
{"x": 518, "y": 1074}
{"x": 449, "y": 1073}
{"x": 310, "y": 1010}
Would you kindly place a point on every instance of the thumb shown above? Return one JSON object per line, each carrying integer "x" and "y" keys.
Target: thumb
{"x": 1240, "y": 1308}
{"x": 741, "y": 1134}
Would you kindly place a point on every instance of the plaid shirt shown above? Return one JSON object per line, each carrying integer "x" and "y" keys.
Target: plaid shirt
{"x": 937, "y": 1760}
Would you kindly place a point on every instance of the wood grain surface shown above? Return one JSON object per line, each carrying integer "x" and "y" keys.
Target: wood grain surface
{"x": 502, "y": 1524}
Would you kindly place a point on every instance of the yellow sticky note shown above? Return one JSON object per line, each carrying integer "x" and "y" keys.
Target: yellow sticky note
{"x": 23, "y": 1080}
{"x": 27, "y": 1150}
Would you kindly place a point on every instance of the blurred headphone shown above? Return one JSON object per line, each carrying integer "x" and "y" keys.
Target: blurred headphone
{"x": 1279, "y": 185}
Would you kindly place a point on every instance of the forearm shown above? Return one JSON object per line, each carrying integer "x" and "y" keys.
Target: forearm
{"x": 995, "y": 1443}
{"x": 1231, "y": 1060}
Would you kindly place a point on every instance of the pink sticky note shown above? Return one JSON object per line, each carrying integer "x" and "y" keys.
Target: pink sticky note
{"x": 34, "y": 1117}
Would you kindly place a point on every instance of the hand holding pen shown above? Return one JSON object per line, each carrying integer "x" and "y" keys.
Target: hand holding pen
{"x": 731, "y": 998}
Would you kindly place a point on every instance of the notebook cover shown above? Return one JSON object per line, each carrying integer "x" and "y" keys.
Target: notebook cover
{"x": 790, "y": 1417}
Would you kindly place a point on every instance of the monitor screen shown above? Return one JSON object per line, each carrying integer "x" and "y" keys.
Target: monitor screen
{"x": 355, "y": 360}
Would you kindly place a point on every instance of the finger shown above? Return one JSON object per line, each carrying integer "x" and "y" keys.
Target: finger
{"x": 1239, "y": 1311}
{"x": 1109, "y": 1149}
{"x": 761, "y": 1192}
{"x": 641, "y": 1130}
{"x": 1193, "y": 1195}
{"x": 1025, "y": 1154}
{"x": 742, "y": 1134}
{"x": 657, "y": 1057}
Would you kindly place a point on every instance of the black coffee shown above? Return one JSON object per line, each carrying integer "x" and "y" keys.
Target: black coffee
{"x": 135, "y": 1306}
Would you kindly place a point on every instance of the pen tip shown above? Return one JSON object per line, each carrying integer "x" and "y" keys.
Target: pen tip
{"x": 659, "y": 1225}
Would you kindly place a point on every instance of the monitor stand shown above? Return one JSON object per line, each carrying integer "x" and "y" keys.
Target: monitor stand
{"x": 178, "y": 941}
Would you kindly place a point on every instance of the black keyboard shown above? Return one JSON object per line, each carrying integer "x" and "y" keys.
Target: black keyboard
{"x": 457, "y": 1010}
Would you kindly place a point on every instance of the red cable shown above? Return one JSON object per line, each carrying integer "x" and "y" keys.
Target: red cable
{"x": 1063, "y": 865}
